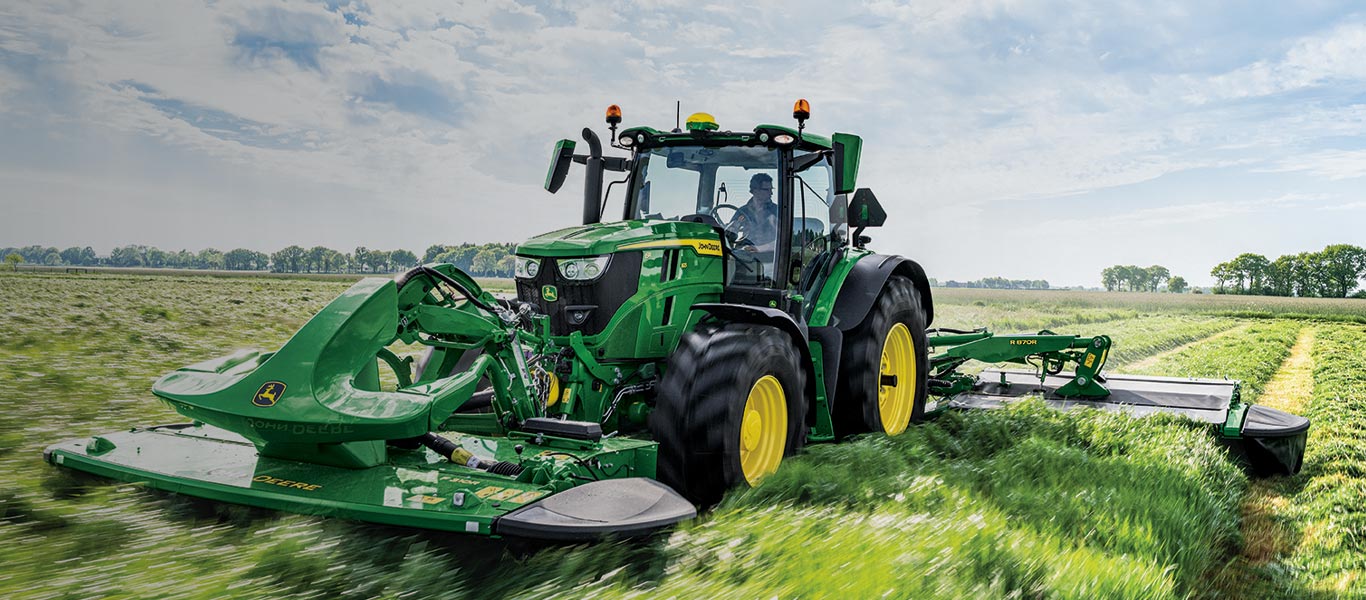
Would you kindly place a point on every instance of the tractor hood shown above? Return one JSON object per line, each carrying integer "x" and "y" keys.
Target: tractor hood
{"x": 605, "y": 238}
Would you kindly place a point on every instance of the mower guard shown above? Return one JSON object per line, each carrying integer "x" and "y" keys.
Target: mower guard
{"x": 416, "y": 488}
{"x": 1268, "y": 440}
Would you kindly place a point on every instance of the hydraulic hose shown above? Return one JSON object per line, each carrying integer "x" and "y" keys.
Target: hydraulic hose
{"x": 459, "y": 287}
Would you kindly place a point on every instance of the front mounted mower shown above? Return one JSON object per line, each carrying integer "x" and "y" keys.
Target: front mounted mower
{"x": 647, "y": 364}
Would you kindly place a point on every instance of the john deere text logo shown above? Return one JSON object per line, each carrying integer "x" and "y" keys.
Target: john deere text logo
{"x": 550, "y": 293}
{"x": 269, "y": 393}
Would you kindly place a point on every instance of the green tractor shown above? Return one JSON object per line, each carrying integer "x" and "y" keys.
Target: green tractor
{"x": 730, "y": 315}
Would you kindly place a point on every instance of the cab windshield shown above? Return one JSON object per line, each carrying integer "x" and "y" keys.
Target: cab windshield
{"x": 679, "y": 181}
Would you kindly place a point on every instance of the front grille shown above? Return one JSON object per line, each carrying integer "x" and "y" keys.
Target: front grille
{"x": 602, "y": 296}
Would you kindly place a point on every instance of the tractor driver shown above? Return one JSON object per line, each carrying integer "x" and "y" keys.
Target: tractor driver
{"x": 757, "y": 221}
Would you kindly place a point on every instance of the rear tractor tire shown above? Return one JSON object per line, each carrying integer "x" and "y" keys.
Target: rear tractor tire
{"x": 730, "y": 406}
{"x": 884, "y": 365}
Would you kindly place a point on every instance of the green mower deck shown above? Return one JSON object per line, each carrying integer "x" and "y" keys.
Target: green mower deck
{"x": 418, "y": 488}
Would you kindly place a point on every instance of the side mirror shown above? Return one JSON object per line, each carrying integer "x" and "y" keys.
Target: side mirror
{"x": 559, "y": 165}
{"x": 865, "y": 210}
{"x": 847, "y": 149}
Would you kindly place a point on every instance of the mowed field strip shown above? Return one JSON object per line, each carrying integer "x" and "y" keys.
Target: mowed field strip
{"x": 1019, "y": 503}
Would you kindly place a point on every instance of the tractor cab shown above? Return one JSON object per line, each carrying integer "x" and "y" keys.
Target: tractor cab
{"x": 775, "y": 197}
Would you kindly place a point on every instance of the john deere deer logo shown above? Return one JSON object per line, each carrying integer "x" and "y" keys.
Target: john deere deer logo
{"x": 269, "y": 393}
{"x": 550, "y": 293}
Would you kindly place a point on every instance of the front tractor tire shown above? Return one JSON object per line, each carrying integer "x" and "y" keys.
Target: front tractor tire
{"x": 730, "y": 406}
{"x": 884, "y": 365}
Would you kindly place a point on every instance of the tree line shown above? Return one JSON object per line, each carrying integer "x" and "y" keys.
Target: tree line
{"x": 1133, "y": 278}
{"x": 486, "y": 260}
{"x": 994, "y": 283}
{"x": 1333, "y": 272}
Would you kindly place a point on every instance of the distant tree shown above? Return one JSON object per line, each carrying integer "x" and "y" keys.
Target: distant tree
{"x": 1177, "y": 285}
{"x": 289, "y": 259}
{"x": 71, "y": 256}
{"x": 181, "y": 259}
{"x": 377, "y": 260}
{"x": 1157, "y": 274}
{"x": 1109, "y": 277}
{"x": 507, "y": 265}
{"x": 13, "y": 259}
{"x": 434, "y": 251}
{"x": 462, "y": 257}
{"x": 402, "y": 259}
{"x": 1343, "y": 267}
{"x": 1222, "y": 274}
{"x": 361, "y": 258}
{"x": 129, "y": 256}
{"x": 485, "y": 262}
{"x": 156, "y": 257}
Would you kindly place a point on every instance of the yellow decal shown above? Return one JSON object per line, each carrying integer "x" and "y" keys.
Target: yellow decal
{"x": 425, "y": 499}
{"x": 1024, "y": 342}
{"x": 269, "y": 394}
{"x": 298, "y": 485}
{"x": 1090, "y": 359}
{"x": 703, "y": 247}
{"x": 488, "y": 491}
{"x": 525, "y": 497}
{"x": 504, "y": 495}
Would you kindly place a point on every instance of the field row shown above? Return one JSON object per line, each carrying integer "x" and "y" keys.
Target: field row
{"x": 1327, "y": 506}
{"x": 1062, "y": 302}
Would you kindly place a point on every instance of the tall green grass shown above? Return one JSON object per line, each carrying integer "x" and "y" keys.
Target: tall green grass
{"x": 1329, "y": 508}
{"x": 1025, "y": 503}
{"x": 1136, "y": 339}
{"x": 1059, "y": 301}
{"x": 1253, "y": 356}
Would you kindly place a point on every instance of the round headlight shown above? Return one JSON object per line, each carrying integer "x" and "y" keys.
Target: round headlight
{"x": 627, "y": 140}
{"x": 533, "y": 267}
{"x": 571, "y": 269}
{"x": 591, "y": 270}
{"x": 763, "y": 137}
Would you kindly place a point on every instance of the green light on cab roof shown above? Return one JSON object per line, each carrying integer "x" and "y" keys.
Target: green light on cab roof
{"x": 702, "y": 122}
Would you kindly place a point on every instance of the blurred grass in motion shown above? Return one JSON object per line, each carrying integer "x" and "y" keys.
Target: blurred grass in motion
{"x": 1024, "y": 503}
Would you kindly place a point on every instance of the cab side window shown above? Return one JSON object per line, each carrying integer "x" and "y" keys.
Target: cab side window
{"x": 819, "y": 220}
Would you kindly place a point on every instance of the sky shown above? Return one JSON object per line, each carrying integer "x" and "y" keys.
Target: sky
{"x": 1014, "y": 138}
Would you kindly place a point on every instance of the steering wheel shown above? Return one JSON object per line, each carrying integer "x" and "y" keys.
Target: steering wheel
{"x": 724, "y": 222}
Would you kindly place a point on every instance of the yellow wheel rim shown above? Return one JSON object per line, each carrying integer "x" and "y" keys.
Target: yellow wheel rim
{"x": 896, "y": 380}
{"x": 763, "y": 429}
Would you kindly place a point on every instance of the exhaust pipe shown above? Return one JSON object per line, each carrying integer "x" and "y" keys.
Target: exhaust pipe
{"x": 592, "y": 185}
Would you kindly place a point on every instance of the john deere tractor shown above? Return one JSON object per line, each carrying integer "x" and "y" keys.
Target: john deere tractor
{"x": 732, "y": 302}
{"x": 729, "y": 315}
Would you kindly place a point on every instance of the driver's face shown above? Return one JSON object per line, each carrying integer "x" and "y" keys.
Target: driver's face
{"x": 763, "y": 192}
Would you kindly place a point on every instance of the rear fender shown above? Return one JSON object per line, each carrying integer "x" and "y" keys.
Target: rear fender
{"x": 865, "y": 282}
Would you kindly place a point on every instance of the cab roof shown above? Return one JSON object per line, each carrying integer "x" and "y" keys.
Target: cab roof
{"x": 653, "y": 137}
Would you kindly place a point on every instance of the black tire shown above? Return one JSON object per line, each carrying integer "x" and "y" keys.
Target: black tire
{"x": 701, "y": 404}
{"x": 860, "y": 378}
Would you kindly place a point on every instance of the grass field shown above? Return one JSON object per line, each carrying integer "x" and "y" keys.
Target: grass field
{"x": 1025, "y": 503}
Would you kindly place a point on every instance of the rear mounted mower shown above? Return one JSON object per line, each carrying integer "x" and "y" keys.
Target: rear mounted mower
{"x": 645, "y": 366}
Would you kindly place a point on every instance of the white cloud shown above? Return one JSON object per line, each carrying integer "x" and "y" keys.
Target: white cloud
{"x": 446, "y": 111}
{"x": 1337, "y": 54}
{"x": 1329, "y": 164}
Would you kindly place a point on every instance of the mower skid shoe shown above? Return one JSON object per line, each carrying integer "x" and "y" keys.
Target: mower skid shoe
{"x": 612, "y": 507}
